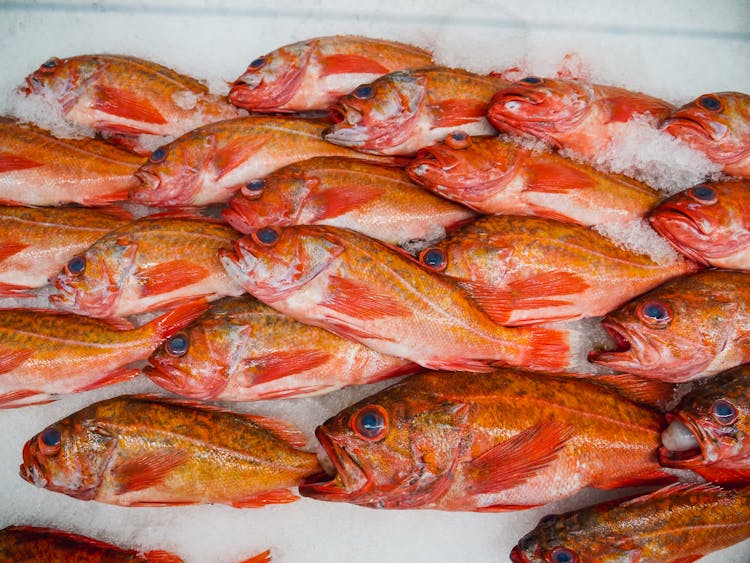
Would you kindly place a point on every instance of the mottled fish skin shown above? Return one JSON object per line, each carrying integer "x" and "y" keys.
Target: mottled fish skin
{"x": 677, "y": 524}
{"x": 149, "y": 264}
{"x": 243, "y": 350}
{"x": 151, "y": 451}
{"x": 495, "y": 176}
{"x": 376, "y": 201}
{"x": 312, "y": 74}
{"x": 505, "y": 440}
{"x": 37, "y": 168}
{"x": 403, "y": 111}
{"x": 718, "y": 125}
{"x": 132, "y": 102}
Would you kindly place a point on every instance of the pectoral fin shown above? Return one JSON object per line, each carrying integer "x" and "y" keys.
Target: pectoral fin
{"x": 127, "y": 104}
{"x": 362, "y": 301}
{"x": 283, "y": 364}
{"x": 169, "y": 276}
{"x": 147, "y": 470}
{"x": 350, "y": 64}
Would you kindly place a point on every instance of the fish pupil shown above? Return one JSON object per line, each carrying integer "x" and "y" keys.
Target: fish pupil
{"x": 257, "y": 63}
{"x": 655, "y": 312}
{"x": 364, "y": 92}
{"x": 255, "y": 185}
{"x": 710, "y": 103}
{"x": 267, "y": 235}
{"x": 51, "y": 437}
{"x": 531, "y": 80}
{"x": 704, "y": 193}
{"x": 177, "y": 345}
{"x": 77, "y": 265}
{"x": 434, "y": 258}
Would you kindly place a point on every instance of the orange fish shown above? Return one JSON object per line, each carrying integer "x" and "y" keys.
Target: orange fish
{"x": 506, "y": 440}
{"x": 144, "y": 450}
{"x": 690, "y": 327}
{"x": 44, "y": 354}
{"x": 717, "y": 125}
{"x": 406, "y": 110}
{"x": 570, "y": 114}
{"x": 39, "y": 169}
{"x": 208, "y": 165}
{"x": 495, "y": 176}
{"x": 708, "y": 223}
{"x": 677, "y": 524}
{"x": 364, "y": 290}
{"x": 524, "y": 270}
{"x": 36, "y": 243}
{"x": 243, "y": 350}
{"x": 370, "y": 199}
{"x": 146, "y": 265}
{"x": 312, "y": 74}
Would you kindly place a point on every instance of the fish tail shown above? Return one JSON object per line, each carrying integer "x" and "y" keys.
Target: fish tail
{"x": 547, "y": 349}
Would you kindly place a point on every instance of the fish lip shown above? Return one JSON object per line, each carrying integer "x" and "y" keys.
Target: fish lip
{"x": 518, "y": 556}
{"x": 434, "y": 157}
{"x": 665, "y": 215}
{"x": 339, "y": 486}
{"x": 30, "y": 470}
{"x": 689, "y": 458}
{"x": 689, "y": 123}
{"x": 149, "y": 182}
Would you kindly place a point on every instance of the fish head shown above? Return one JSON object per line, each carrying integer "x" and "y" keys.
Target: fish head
{"x": 63, "y": 80}
{"x": 716, "y": 124}
{"x": 272, "y": 80}
{"x": 466, "y": 256}
{"x": 378, "y": 115}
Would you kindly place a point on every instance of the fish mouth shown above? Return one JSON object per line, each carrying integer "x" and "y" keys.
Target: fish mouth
{"x": 673, "y": 224}
{"x": 435, "y": 158}
{"x": 518, "y": 556}
{"x": 67, "y": 296}
{"x": 238, "y": 262}
{"x": 169, "y": 378}
{"x": 623, "y": 354}
{"x": 684, "y": 443}
{"x": 149, "y": 182}
{"x": 30, "y": 470}
{"x": 348, "y": 127}
{"x": 691, "y": 124}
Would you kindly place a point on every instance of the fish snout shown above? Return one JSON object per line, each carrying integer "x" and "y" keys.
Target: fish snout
{"x": 150, "y": 182}
{"x": 30, "y": 470}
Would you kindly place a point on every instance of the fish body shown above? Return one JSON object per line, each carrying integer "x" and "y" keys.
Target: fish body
{"x": 403, "y": 111}
{"x": 149, "y": 451}
{"x": 677, "y": 524}
{"x": 36, "y": 243}
{"x": 363, "y": 290}
{"x": 494, "y": 176}
{"x": 524, "y": 270}
{"x": 243, "y": 350}
{"x": 210, "y": 164}
{"x": 146, "y": 265}
{"x": 709, "y": 223}
{"x": 39, "y": 169}
{"x": 131, "y": 101}
{"x": 690, "y": 327}
{"x": 46, "y": 354}
{"x": 312, "y": 74}
{"x": 374, "y": 200}
{"x": 570, "y": 114}
{"x": 504, "y": 440}
{"x": 717, "y": 125}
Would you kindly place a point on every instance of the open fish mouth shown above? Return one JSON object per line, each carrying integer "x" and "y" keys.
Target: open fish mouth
{"x": 623, "y": 346}
{"x": 683, "y": 443}
{"x": 149, "y": 182}
{"x": 433, "y": 159}
{"x": 349, "y": 480}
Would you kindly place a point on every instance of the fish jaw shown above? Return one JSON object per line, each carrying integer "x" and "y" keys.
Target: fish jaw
{"x": 155, "y": 190}
{"x": 518, "y": 556}
{"x": 691, "y": 457}
{"x": 30, "y": 470}
{"x": 239, "y": 263}
{"x": 683, "y": 232}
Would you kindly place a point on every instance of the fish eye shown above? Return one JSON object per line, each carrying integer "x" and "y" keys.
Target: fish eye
{"x": 255, "y": 185}
{"x": 177, "y": 345}
{"x": 363, "y": 92}
{"x": 531, "y": 80}
{"x": 656, "y": 314}
{"x": 371, "y": 423}
{"x": 434, "y": 258}
{"x": 562, "y": 554}
{"x": 458, "y": 140}
{"x": 50, "y": 64}
{"x": 267, "y": 236}
{"x": 258, "y": 63}
{"x": 76, "y": 266}
{"x": 703, "y": 194}
{"x": 709, "y": 102}
{"x": 158, "y": 155}
{"x": 724, "y": 412}
{"x": 49, "y": 441}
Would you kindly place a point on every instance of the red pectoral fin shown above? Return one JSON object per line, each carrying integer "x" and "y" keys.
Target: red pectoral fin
{"x": 556, "y": 178}
{"x": 623, "y": 108}
{"x": 350, "y": 64}
{"x": 279, "y": 496}
{"x": 10, "y": 162}
{"x": 283, "y": 430}
{"x": 117, "y": 376}
{"x": 362, "y": 301}
{"x": 283, "y": 364}
{"x": 340, "y": 200}
{"x": 146, "y": 470}
{"x": 127, "y": 104}
{"x": 457, "y": 112}
{"x": 15, "y": 399}
{"x": 236, "y": 153}
{"x": 169, "y": 276}
{"x": 107, "y": 198}
{"x": 11, "y": 358}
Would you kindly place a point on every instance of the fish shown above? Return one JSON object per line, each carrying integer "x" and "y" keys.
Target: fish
{"x": 571, "y": 114}
{"x": 688, "y": 328}
{"x": 146, "y": 265}
{"x": 718, "y": 125}
{"x": 495, "y": 176}
{"x": 709, "y": 223}
{"x": 678, "y": 523}
{"x": 709, "y": 430}
{"x": 36, "y": 243}
{"x": 210, "y": 164}
{"x": 405, "y": 110}
{"x": 312, "y": 74}
{"x": 528, "y": 270}
{"x": 44, "y": 355}
{"x": 244, "y": 350}
{"x": 364, "y": 290}
{"x": 144, "y": 450}
{"x": 379, "y": 202}
{"x": 130, "y": 101}
{"x": 39, "y": 169}
{"x": 505, "y": 440}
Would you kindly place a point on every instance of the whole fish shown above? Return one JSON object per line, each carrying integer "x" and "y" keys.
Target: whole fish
{"x": 46, "y": 354}
{"x": 717, "y": 125}
{"x": 492, "y": 175}
{"x": 35, "y": 243}
{"x": 146, "y": 265}
{"x": 39, "y": 169}
{"x": 570, "y": 114}
{"x": 709, "y": 430}
{"x": 364, "y": 290}
{"x": 312, "y": 74}
{"x": 524, "y": 270}
{"x": 690, "y": 327}
{"x": 505, "y": 440}
{"x": 243, "y": 350}
{"x": 371, "y": 199}
{"x": 145, "y": 450}
{"x": 406, "y": 110}
{"x": 130, "y": 101}
{"x": 708, "y": 223}
{"x": 208, "y": 165}
{"x": 677, "y": 524}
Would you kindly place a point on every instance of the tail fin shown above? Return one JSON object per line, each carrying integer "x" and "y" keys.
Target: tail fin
{"x": 547, "y": 349}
